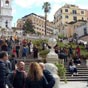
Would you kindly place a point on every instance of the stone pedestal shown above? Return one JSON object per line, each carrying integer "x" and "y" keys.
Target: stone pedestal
{"x": 52, "y": 57}
{"x": 87, "y": 63}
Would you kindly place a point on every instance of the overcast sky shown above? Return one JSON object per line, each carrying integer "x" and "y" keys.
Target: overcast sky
{"x": 25, "y": 7}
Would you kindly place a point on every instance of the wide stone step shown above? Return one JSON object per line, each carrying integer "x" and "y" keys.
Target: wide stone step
{"x": 78, "y": 75}
{"x": 82, "y": 73}
{"x": 82, "y": 70}
{"x": 78, "y": 72}
{"x": 77, "y": 79}
{"x": 29, "y": 60}
{"x": 78, "y": 68}
{"x": 81, "y": 66}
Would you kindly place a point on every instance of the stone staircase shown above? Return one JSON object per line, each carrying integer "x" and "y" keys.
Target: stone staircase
{"x": 27, "y": 61}
{"x": 82, "y": 73}
{"x": 82, "y": 70}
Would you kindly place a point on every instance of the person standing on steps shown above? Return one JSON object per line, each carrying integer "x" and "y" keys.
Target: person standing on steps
{"x": 3, "y": 70}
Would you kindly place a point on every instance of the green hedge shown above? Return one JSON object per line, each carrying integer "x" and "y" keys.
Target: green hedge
{"x": 61, "y": 71}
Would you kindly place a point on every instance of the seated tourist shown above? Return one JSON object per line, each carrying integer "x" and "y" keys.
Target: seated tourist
{"x": 77, "y": 60}
{"x": 72, "y": 68}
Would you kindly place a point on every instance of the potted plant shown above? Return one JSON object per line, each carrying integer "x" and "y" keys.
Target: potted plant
{"x": 43, "y": 54}
{"x": 61, "y": 71}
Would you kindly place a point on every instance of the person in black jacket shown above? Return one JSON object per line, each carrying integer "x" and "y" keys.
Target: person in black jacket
{"x": 48, "y": 75}
{"x": 13, "y": 62}
{"x": 3, "y": 71}
{"x": 4, "y": 46}
{"x": 18, "y": 77}
{"x": 35, "y": 77}
{"x": 35, "y": 52}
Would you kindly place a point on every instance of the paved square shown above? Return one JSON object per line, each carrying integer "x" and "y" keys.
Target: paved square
{"x": 73, "y": 85}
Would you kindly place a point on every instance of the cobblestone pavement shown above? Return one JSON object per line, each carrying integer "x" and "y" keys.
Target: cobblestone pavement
{"x": 73, "y": 85}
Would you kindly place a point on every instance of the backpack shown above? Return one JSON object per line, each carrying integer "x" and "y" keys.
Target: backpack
{"x": 13, "y": 63}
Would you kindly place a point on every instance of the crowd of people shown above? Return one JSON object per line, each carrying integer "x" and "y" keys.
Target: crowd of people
{"x": 14, "y": 75}
{"x": 70, "y": 57}
{"x": 20, "y": 48}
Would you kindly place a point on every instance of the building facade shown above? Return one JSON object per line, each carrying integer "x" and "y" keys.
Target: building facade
{"x": 5, "y": 14}
{"x": 87, "y": 14}
{"x": 66, "y": 14}
{"x": 82, "y": 30}
{"x": 70, "y": 28}
{"x": 69, "y": 13}
{"x": 38, "y": 23}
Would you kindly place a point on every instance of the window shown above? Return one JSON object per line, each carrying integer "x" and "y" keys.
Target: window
{"x": 82, "y": 18}
{"x": 74, "y": 11}
{"x": 6, "y": 2}
{"x": 82, "y": 12}
{"x": 66, "y": 17}
{"x": 66, "y": 10}
{"x": 6, "y": 24}
{"x": 60, "y": 17}
{"x": 61, "y": 11}
{"x": 75, "y": 18}
{"x": 85, "y": 31}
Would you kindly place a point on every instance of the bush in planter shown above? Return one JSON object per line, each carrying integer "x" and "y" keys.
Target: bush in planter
{"x": 39, "y": 43}
{"x": 43, "y": 54}
{"x": 86, "y": 56}
{"x": 61, "y": 71}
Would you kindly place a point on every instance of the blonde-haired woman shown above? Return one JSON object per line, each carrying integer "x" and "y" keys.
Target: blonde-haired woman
{"x": 35, "y": 78}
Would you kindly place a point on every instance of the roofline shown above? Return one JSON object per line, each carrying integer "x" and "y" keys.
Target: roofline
{"x": 33, "y": 14}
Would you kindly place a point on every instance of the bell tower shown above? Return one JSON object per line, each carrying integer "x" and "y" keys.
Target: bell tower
{"x": 6, "y": 14}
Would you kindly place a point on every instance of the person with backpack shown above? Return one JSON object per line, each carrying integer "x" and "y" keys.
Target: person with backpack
{"x": 13, "y": 62}
{"x": 17, "y": 50}
{"x": 3, "y": 70}
{"x": 24, "y": 51}
{"x": 18, "y": 77}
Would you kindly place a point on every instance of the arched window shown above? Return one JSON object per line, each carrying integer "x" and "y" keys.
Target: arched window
{"x": 7, "y": 2}
{"x": 6, "y": 24}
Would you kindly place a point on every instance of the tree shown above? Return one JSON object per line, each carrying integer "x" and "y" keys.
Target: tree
{"x": 46, "y": 6}
{"x": 28, "y": 26}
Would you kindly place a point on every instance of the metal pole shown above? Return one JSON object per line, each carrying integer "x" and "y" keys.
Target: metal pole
{"x": 45, "y": 23}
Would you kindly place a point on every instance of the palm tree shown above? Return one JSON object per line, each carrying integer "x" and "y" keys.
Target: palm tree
{"x": 46, "y": 6}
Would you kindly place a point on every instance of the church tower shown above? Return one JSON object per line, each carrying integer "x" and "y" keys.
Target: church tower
{"x": 6, "y": 14}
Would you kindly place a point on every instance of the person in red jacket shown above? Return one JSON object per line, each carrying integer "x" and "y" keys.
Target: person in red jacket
{"x": 78, "y": 51}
